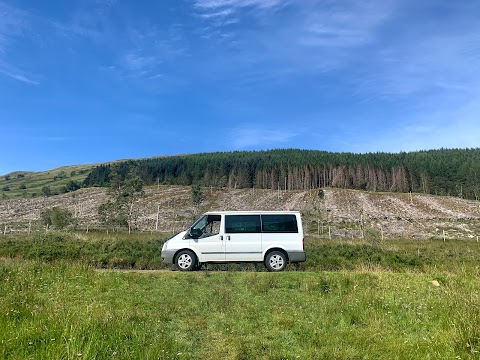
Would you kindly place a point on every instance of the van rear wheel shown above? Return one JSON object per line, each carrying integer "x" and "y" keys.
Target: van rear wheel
{"x": 186, "y": 260}
{"x": 276, "y": 261}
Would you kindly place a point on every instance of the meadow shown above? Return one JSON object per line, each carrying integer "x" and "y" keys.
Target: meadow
{"x": 83, "y": 296}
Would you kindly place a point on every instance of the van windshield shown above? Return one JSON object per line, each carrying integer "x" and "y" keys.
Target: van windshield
{"x": 200, "y": 223}
{"x": 207, "y": 225}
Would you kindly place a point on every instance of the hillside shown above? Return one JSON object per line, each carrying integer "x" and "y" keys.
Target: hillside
{"x": 27, "y": 184}
{"x": 450, "y": 172}
{"x": 328, "y": 212}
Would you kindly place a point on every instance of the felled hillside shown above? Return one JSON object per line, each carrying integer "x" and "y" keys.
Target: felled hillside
{"x": 327, "y": 213}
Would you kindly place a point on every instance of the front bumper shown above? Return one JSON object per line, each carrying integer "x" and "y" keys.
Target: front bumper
{"x": 167, "y": 256}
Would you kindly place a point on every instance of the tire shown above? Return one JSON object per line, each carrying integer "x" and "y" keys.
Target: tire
{"x": 186, "y": 260}
{"x": 276, "y": 261}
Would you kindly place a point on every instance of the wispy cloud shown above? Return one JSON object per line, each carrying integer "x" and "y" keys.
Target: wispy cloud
{"x": 251, "y": 135}
{"x": 88, "y": 20}
{"x": 218, "y": 14}
{"x": 346, "y": 24}
{"x": 147, "y": 50}
{"x": 136, "y": 49}
{"x": 136, "y": 63}
{"x": 437, "y": 64}
{"x": 16, "y": 74}
{"x": 292, "y": 38}
{"x": 13, "y": 23}
{"x": 237, "y": 4}
{"x": 222, "y": 14}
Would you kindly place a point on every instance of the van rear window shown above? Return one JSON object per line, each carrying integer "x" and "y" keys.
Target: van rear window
{"x": 279, "y": 223}
{"x": 242, "y": 224}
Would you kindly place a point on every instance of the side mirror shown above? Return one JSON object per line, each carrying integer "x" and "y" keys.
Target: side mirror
{"x": 195, "y": 233}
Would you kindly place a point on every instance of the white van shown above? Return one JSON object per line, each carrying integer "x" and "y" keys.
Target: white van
{"x": 272, "y": 237}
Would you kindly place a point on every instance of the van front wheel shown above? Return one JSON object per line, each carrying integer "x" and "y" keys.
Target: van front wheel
{"x": 275, "y": 261}
{"x": 186, "y": 260}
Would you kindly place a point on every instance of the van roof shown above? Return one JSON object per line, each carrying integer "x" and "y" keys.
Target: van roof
{"x": 253, "y": 212}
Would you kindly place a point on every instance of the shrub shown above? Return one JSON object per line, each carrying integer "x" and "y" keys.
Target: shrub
{"x": 58, "y": 217}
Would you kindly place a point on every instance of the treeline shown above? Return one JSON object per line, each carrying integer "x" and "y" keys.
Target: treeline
{"x": 454, "y": 172}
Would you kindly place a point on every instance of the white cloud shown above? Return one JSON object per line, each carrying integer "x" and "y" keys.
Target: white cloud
{"x": 286, "y": 38}
{"x": 343, "y": 24}
{"x": 248, "y": 135}
{"x": 221, "y": 14}
{"x": 17, "y": 75}
{"x": 147, "y": 49}
{"x": 237, "y": 4}
{"x": 136, "y": 62}
{"x": 438, "y": 64}
{"x": 13, "y": 24}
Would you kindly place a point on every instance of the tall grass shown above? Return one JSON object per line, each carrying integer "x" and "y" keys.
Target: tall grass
{"x": 143, "y": 250}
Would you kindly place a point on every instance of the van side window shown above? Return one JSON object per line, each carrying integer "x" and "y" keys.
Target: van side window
{"x": 213, "y": 225}
{"x": 242, "y": 224}
{"x": 279, "y": 223}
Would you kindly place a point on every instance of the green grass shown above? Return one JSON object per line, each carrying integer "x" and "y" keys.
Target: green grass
{"x": 142, "y": 251}
{"x": 65, "y": 311}
{"x": 121, "y": 251}
{"x": 353, "y": 300}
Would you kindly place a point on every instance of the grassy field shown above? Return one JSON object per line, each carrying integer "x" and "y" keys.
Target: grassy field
{"x": 398, "y": 299}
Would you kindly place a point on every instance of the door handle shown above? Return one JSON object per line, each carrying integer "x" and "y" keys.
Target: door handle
{"x": 228, "y": 237}
{"x": 221, "y": 237}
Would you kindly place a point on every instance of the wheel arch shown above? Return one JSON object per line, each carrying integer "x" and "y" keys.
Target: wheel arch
{"x": 268, "y": 251}
{"x": 182, "y": 249}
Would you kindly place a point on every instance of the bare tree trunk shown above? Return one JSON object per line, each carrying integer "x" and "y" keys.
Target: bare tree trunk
{"x": 130, "y": 218}
{"x": 158, "y": 216}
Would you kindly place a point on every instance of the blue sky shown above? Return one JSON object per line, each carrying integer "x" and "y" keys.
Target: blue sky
{"x": 87, "y": 81}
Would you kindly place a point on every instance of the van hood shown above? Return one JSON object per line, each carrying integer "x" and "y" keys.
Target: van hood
{"x": 179, "y": 235}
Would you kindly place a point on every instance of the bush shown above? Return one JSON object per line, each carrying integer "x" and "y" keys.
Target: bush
{"x": 73, "y": 185}
{"x": 46, "y": 191}
{"x": 58, "y": 217}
